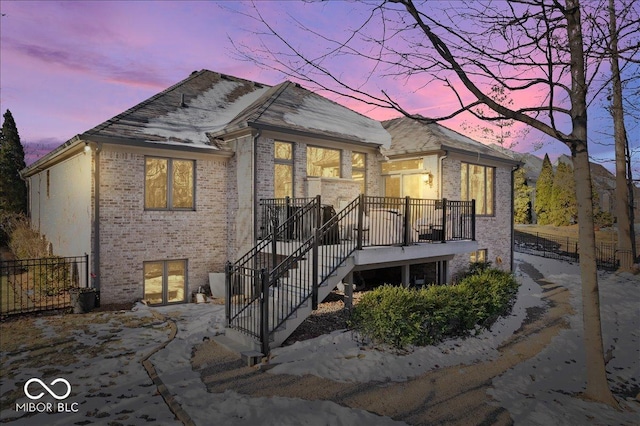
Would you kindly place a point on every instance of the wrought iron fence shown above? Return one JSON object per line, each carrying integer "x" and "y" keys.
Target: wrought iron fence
{"x": 566, "y": 248}
{"x": 31, "y": 285}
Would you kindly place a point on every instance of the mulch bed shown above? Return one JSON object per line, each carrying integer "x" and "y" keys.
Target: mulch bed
{"x": 331, "y": 315}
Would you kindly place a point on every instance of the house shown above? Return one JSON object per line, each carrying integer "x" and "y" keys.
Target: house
{"x": 455, "y": 167}
{"x": 217, "y": 175}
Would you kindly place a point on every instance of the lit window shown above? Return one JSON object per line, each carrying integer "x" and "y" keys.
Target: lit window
{"x": 169, "y": 184}
{"x": 397, "y": 166}
{"x": 323, "y": 162}
{"x": 479, "y": 256}
{"x": 477, "y": 183}
{"x": 358, "y": 170}
{"x": 165, "y": 281}
{"x": 283, "y": 170}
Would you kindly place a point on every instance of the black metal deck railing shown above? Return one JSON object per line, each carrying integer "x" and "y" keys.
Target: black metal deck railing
{"x": 31, "y": 285}
{"x": 289, "y": 264}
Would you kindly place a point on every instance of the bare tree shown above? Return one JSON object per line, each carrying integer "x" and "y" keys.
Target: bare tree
{"x": 616, "y": 40}
{"x": 624, "y": 189}
{"x": 533, "y": 49}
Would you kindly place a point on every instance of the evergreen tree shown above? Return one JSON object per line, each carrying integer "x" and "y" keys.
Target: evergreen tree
{"x": 13, "y": 190}
{"x": 544, "y": 188}
{"x": 563, "y": 197}
{"x": 521, "y": 198}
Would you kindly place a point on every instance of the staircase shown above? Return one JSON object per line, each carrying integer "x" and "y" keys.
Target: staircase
{"x": 277, "y": 285}
{"x": 303, "y": 256}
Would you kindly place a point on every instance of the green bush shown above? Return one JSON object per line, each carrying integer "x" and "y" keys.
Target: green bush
{"x": 400, "y": 316}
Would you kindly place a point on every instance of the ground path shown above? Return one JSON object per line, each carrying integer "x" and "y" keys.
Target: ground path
{"x": 453, "y": 395}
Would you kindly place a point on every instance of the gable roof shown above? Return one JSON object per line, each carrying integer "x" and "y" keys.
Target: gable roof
{"x": 411, "y": 136}
{"x": 207, "y": 106}
{"x": 290, "y": 107}
{"x": 184, "y": 113}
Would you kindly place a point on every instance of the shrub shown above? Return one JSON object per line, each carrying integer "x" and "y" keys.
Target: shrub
{"x": 25, "y": 242}
{"x": 54, "y": 275}
{"x": 400, "y": 316}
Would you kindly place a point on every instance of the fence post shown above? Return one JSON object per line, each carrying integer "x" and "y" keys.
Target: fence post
{"x": 444, "y": 220}
{"x": 227, "y": 293}
{"x": 314, "y": 270}
{"x": 264, "y": 312}
{"x": 473, "y": 220}
{"x": 86, "y": 271}
{"x": 288, "y": 233}
{"x": 360, "y": 220}
{"x": 407, "y": 221}
{"x": 274, "y": 242}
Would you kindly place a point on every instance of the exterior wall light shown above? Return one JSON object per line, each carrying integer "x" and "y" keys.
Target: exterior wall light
{"x": 427, "y": 178}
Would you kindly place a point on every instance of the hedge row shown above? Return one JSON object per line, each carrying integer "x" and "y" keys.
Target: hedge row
{"x": 400, "y": 316}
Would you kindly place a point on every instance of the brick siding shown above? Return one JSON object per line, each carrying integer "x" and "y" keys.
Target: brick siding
{"x": 129, "y": 235}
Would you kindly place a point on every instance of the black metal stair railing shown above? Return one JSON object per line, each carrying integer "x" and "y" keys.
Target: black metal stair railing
{"x": 243, "y": 278}
{"x": 285, "y": 270}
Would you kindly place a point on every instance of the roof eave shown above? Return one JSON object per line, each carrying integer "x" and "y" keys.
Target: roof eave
{"x": 310, "y": 134}
{"x": 58, "y": 154}
{"x": 141, "y": 143}
{"x": 481, "y": 155}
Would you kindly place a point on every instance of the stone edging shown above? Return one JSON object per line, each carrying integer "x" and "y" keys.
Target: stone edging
{"x": 173, "y": 405}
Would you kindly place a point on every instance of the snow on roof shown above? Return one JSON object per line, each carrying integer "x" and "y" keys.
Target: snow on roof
{"x": 208, "y": 112}
{"x": 319, "y": 113}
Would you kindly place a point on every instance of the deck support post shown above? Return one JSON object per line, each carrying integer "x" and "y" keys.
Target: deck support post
{"x": 348, "y": 291}
{"x": 405, "y": 273}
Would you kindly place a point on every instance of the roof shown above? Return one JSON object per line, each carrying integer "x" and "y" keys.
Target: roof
{"x": 201, "y": 110}
{"x": 531, "y": 164}
{"x": 288, "y": 106}
{"x": 208, "y": 105}
{"x": 412, "y": 136}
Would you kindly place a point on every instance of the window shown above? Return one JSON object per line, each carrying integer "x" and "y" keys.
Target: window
{"x": 48, "y": 184}
{"x": 359, "y": 170}
{"x": 397, "y": 166}
{"x": 283, "y": 170}
{"x": 478, "y": 256}
{"x": 169, "y": 184}
{"x": 405, "y": 178}
{"x": 165, "y": 281}
{"x": 323, "y": 162}
{"x": 477, "y": 183}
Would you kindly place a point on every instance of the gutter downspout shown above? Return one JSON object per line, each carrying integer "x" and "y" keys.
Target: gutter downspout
{"x": 96, "y": 222}
{"x": 513, "y": 202}
{"x": 440, "y": 177}
{"x": 255, "y": 185}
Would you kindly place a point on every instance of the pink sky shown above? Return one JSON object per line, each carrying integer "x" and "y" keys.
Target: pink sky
{"x": 67, "y": 66}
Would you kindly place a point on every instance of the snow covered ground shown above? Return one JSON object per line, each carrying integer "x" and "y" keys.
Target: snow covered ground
{"x": 111, "y": 387}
